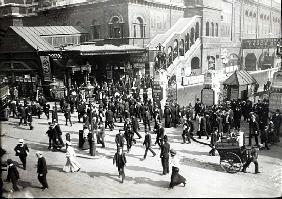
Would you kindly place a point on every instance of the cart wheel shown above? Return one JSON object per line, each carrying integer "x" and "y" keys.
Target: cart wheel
{"x": 232, "y": 163}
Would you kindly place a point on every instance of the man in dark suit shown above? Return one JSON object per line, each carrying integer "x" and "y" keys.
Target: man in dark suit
{"x": 13, "y": 174}
{"x": 119, "y": 139}
{"x": 59, "y": 133}
{"x": 67, "y": 115}
{"x": 135, "y": 126}
{"x": 22, "y": 150}
{"x": 167, "y": 116}
{"x": 42, "y": 170}
{"x": 120, "y": 161}
{"x": 198, "y": 108}
{"x": 50, "y": 134}
{"x": 165, "y": 156}
{"x": 148, "y": 142}
{"x": 109, "y": 119}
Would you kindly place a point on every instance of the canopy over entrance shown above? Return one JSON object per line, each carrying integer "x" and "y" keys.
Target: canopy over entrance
{"x": 240, "y": 78}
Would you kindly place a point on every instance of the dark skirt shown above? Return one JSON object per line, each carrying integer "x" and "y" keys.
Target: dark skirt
{"x": 176, "y": 178}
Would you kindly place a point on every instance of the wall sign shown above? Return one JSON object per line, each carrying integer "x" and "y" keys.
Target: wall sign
{"x": 207, "y": 96}
{"x": 275, "y": 101}
{"x": 46, "y": 68}
{"x": 260, "y": 43}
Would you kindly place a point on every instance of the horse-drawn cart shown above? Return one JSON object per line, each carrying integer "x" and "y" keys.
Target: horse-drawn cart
{"x": 232, "y": 157}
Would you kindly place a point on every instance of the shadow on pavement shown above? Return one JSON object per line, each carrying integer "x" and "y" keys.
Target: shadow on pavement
{"x": 55, "y": 168}
{"x": 39, "y": 147}
{"x": 138, "y": 168}
{"x": 194, "y": 152}
{"x": 144, "y": 180}
{"x": 25, "y": 184}
{"x": 203, "y": 165}
{"x": 99, "y": 174}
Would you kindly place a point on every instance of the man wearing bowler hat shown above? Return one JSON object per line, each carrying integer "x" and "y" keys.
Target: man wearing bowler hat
{"x": 42, "y": 170}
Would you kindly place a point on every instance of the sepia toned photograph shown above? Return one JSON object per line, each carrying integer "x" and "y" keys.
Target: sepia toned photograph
{"x": 140, "y": 98}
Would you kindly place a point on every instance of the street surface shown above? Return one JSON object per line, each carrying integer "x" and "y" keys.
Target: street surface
{"x": 98, "y": 176}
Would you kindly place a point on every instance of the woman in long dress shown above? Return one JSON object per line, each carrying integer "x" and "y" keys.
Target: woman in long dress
{"x": 176, "y": 178}
{"x": 71, "y": 165}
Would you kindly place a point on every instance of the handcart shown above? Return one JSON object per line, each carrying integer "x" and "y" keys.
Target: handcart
{"x": 232, "y": 157}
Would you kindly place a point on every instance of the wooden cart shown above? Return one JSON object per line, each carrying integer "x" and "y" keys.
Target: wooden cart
{"x": 232, "y": 157}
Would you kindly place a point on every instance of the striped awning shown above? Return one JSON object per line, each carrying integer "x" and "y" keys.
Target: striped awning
{"x": 240, "y": 78}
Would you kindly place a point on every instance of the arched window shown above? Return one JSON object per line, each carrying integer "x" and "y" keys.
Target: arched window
{"x": 246, "y": 13}
{"x": 264, "y": 17}
{"x": 267, "y": 18}
{"x": 169, "y": 57}
{"x": 254, "y": 14}
{"x": 175, "y": 49}
{"x": 195, "y": 63}
{"x": 261, "y": 16}
{"x": 181, "y": 47}
{"x": 250, "y": 14}
{"x": 212, "y": 29}
{"x": 197, "y": 33}
{"x": 115, "y": 28}
{"x": 192, "y": 36}
{"x": 95, "y": 30}
{"x": 207, "y": 29}
{"x": 138, "y": 28}
{"x": 78, "y": 23}
{"x": 216, "y": 29}
{"x": 187, "y": 42}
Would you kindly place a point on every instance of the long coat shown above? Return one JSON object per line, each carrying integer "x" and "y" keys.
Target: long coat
{"x": 13, "y": 174}
{"x": 41, "y": 166}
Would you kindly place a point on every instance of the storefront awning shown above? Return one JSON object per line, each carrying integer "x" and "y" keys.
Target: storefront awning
{"x": 92, "y": 49}
{"x": 240, "y": 78}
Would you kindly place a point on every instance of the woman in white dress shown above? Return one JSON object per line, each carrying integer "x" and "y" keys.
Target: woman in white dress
{"x": 71, "y": 165}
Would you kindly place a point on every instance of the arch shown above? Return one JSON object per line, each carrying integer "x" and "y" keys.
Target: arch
{"x": 187, "y": 42}
{"x": 175, "y": 49}
{"x": 233, "y": 60}
{"x": 261, "y": 16}
{"x": 115, "y": 27}
{"x": 195, "y": 63}
{"x": 197, "y": 33}
{"x": 192, "y": 36}
{"x": 247, "y": 13}
{"x": 181, "y": 47}
{"x": 169, "y": 57}
{"x": 267, "y": 18}
{"x": 212, "y": 29}
{"x": 216, "y": 29}
{"x": 250, "y": 62}
{"x": 138, "y": 27}
{"x": 254, "y": 14}
{"x": 207, "y": 29}
{"x": 250, "y": 14}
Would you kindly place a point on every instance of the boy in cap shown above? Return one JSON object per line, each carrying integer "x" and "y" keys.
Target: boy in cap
{"x": 22, "y": 151}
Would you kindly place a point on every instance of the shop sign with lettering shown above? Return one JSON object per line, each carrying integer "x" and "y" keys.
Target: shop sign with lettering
{"x": 207, "y": 96}
{"x": 260, "y": 43}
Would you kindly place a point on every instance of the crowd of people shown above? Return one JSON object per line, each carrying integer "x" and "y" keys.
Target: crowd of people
{"x": 114, "y": 104}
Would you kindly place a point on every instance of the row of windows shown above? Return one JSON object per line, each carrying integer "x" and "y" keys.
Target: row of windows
{"x": 262, "y": 16}
{"x": 213, "y": 30}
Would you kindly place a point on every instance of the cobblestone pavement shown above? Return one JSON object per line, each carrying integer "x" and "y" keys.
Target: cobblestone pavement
{"x": 98, "y": 176}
